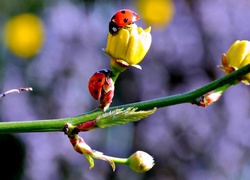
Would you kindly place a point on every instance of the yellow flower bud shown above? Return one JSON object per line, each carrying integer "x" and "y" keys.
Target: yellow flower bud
{"x": 237, "y": 56}
{"x": 246, "y": 61}
{"x": 129, "y": 46}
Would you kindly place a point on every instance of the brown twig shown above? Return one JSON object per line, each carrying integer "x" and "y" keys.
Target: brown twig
{"x": 15, "y": 91}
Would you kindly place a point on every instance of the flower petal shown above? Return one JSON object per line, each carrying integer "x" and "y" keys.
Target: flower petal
{"x": 122, "y": 39}
{"x": 237, "y": 52}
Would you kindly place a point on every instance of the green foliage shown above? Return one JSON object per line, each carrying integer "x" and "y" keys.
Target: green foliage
{"x": 122, "y": 116}
{"x": 13, "y": 7}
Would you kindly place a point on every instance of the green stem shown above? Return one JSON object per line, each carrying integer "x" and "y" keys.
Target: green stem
{"x": 117, "y": 160}
{"x": 223, "y": 88}
{"x": 49, "y": 125}
{"x": 115, "y": 74}
{"x": 58, "y": 124}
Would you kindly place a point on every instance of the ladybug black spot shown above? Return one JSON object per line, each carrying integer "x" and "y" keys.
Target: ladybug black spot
{"x": 95, "y": 92}
{"x": 99, "y": 80}
{"x": 125, "y": 20}
{"x": 123, "y": 12}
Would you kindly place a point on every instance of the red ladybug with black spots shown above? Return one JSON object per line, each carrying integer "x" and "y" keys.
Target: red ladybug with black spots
{"x": 121, "y": 19}
{"x": 98, "y": 82}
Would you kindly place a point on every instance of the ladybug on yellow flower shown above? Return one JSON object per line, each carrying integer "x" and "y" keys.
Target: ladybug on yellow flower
{"x": 127, "y": 45}
{"x": 122, "y": 18}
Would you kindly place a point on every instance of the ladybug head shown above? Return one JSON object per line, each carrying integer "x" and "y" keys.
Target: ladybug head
{"x": 107, "y": 72}
{"x": 113, "y": 28}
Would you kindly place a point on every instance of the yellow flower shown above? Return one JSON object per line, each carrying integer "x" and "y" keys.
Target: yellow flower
{"x": 237, "y": 56}
{"x": 129, "y": 46}
{"x": 24, "y": 35}
{"x": 157, "y": 13}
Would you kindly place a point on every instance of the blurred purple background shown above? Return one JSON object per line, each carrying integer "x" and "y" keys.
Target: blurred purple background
{"x": 187, "y": 142}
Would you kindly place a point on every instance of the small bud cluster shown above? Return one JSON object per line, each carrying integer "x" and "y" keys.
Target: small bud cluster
{"x": 139, "y": 161}
{"x": 237, "y": 56}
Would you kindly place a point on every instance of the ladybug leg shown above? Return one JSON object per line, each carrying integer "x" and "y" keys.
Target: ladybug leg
{"x": 108, "y": 85}
{"x": 129, "y": 26}
{"x": 108, "y": 81}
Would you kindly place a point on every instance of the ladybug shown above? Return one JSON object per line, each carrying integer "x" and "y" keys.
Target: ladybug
{"x": 97, "y": 82}
{"x": 121, "y": 19}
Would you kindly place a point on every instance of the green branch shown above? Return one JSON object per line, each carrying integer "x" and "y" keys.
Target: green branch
{"x": 58, "y": 124}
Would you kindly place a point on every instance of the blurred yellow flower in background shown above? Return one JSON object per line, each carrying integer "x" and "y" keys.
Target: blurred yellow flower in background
{"x": 156, "y": 13}
{"x": 237, "y": 56}
{"x": 24, "y": 35}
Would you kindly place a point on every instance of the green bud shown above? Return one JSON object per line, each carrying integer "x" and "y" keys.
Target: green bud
{"x": 140, "y": 162}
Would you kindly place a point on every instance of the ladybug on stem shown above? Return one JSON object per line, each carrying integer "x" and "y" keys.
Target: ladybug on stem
{"x": 101, "y": 86}
{"x": 97, "y": 82}
{"x": 121, "y": 19}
